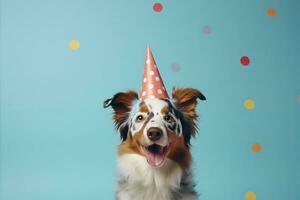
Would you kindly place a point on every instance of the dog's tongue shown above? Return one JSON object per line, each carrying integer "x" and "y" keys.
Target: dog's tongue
{"x": 154, "y": 159}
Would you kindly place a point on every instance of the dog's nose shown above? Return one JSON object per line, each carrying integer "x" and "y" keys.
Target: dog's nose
{"x": 154, "y": 133}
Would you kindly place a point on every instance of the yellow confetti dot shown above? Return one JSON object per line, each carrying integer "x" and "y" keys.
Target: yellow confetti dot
{"x": 249, "y": 104}
{"x": 74, "y": 44}
{"x": 271, "y": 12}
{"x": 256, "y": 148}
{"x": 250, "y": 196}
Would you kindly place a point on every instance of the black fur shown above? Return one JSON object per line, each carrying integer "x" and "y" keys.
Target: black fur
{"x": 124, "y": 132}
{"x": 187, "y": 126}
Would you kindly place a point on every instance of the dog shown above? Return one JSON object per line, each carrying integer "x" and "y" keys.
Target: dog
{"x": 154, "y": 157}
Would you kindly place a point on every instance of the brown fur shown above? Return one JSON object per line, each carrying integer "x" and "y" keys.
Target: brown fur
{"x": 179, "y": 152}
{"x": 144, "y": 108}
{"x": 164, "y": 110}
{"x": 121, "y": 104}
{"x": 186, "y": 100}
{"x": 131, "y": 144}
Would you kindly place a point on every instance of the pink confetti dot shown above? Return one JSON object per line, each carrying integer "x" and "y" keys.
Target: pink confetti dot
{"x": 206, "y": 29}
{"x": 175, "y": 67}
{"x": 245, "y": 60}
{"x": 157, "y": 7}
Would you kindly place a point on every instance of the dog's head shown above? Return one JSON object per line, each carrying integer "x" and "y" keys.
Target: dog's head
{"x": 156, "y": 128}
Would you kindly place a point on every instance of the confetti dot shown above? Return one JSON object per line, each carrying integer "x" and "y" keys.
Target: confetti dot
{"x": 159, "y": 91}
{"x": 151, "y": 73}
{"x": 249, "y": 104}
{"x": 145, "y": 80}
{"x": 157, "y": 78}
{"x": 144, "y": 93}
{"x": 245, "y": 60}
{"x": 148, "y": 61}
{"x": 175, "y": 67}
{"x": 157, "y": 7}
{"x": 256, "y": 148}
{"x": 74, "y": 44}
{"x": 271, "y": 12}
{"x": 250, "y": 196}
{"x": 206, "y": 29}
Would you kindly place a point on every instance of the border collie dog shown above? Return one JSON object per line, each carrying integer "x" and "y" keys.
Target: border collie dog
{"x": 154, "y": 157}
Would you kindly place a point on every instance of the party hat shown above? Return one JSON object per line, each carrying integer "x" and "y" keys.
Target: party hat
{"x": 152, "y": 86}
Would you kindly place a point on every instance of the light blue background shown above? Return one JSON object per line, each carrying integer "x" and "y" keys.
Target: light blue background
{"x": 57, "y": 142}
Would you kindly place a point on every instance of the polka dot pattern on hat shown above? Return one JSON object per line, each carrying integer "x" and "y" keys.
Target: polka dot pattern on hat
{"x": 152, "y": 85}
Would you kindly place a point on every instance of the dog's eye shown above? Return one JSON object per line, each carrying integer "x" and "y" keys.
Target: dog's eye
{"x": 168, "y": 118}
{"x": 139, "y": 118}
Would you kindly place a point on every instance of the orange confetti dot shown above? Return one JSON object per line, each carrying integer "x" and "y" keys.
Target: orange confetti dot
{"x": 271, "y": 12}
{"x": 256, "y": 148}
{"x": 249, "y": 104}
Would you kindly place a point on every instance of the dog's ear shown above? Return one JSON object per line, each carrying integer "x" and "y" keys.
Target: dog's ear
{"x": 121, "y": 104}
{"x": 185, "y": 100}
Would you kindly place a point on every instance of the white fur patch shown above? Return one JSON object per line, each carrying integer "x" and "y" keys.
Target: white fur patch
{"x": 155, "y": 106}
{"x": 146, "y": 182}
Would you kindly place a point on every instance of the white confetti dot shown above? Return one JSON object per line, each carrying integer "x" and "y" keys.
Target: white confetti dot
{"x": 144, "y": 93}
{"x": 159, "y": 91}
{"x": 157, "y": 78}
{"x": 151, "y": 73}
{"x": 145, "y": 79}
{"x": 148, "y": 61}
{"x": 151, "y": 86}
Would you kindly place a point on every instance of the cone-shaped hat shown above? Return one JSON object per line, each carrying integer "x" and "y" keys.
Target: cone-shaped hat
{"x": 152, "y": 86}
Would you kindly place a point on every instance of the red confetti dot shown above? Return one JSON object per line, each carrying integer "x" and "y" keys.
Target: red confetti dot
{"x": 157, "y": 7}
{"x": 245, "y": 60}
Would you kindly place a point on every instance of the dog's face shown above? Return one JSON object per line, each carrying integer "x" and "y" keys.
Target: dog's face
{"x": 156, "y": 128}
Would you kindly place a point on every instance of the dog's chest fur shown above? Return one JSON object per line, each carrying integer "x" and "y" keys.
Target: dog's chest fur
{"x": 139, "y": 181}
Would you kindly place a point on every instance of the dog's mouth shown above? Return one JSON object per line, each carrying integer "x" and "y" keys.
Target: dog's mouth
{"x": 155, "y": 154}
